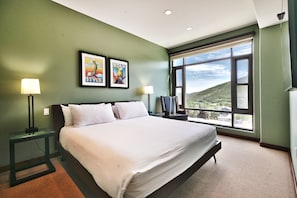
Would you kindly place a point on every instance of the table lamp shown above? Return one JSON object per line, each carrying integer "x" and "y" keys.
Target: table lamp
{"x": 148, "y": 90}
{"x": 30, "y": 86}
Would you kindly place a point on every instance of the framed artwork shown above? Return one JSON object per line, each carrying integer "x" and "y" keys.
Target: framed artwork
{"x": 119, "y": 73}
{"x": 92, "y": 70}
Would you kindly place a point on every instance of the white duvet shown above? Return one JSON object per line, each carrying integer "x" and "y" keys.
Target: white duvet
{"x": 134, "y": 157}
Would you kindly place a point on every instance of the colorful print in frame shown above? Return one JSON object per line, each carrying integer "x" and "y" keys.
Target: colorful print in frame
{"x": 119, "y": 73}
{"x": 93, "y": 69}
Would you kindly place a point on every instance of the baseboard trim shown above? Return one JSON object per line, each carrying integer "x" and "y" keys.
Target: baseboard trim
{"x": 238, "y": 136}
{"x": 34, "y": 160}
{"x": 272, "y": 146}
{"x": 281, "y": 148}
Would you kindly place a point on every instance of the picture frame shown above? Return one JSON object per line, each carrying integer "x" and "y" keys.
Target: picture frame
{"x": 92, "y": 70}
{"x": 118, "y": 73}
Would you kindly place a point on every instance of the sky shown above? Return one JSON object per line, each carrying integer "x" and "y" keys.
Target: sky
{"x": 203, "y": 76}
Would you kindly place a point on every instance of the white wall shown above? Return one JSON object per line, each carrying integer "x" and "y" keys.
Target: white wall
{"x": 293, "y": 125}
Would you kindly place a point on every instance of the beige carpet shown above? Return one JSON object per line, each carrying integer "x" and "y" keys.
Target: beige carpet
{"x": 243, "y": 170}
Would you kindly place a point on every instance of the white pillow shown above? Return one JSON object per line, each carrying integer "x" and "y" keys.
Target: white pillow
{"x": 131, "y": 109}
{"x": 83, "y": 115}
{"x": 67, "y": 115}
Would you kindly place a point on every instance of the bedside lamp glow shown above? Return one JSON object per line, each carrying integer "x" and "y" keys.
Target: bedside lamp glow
{"x": 30, "y": 86}
{"x": 148, "y": 90}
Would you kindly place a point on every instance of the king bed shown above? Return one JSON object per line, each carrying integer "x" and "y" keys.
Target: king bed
{"x": 118, "y": 150}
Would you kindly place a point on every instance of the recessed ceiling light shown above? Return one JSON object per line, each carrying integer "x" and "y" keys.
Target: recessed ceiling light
{"x": 168, "y": 12}
{"x": 189, "y": 28}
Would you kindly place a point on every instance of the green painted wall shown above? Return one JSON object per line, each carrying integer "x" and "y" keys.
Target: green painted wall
{"x": 274, "y": 79}
{"x": 39, "y": 38}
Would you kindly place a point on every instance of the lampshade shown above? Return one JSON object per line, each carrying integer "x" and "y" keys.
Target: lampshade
{"x": 148, "y": 90}
{"x": 30, "y": 86}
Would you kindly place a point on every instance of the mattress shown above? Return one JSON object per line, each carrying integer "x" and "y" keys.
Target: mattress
{"x": 135, "y": 157}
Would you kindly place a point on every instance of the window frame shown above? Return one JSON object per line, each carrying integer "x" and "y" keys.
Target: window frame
{"x": 249, "y": 84}
{"x": 174, "y": 87}
{"x": 234, "y": 83}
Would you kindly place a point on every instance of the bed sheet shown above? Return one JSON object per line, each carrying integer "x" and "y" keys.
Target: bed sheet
{"x": 135, "y": 157}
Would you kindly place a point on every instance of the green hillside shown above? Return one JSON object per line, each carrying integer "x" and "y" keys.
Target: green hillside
{"x": 212, "y": 98}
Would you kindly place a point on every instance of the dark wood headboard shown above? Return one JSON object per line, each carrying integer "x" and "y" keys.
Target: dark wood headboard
{"x": 58, "y": 120}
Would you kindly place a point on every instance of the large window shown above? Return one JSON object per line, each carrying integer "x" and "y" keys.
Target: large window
{"x": 214, "y": 85}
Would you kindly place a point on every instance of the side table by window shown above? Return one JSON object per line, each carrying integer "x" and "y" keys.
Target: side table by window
{"x": 156, "y": 114}
{"x": 176, "y": 116}
{"x": 24, "y": 137}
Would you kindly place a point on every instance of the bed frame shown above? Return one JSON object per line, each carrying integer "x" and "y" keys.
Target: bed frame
{"x": 86, "y": 178}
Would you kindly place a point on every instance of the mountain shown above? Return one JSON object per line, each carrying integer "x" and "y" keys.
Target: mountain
{"x": 216, "y": 96}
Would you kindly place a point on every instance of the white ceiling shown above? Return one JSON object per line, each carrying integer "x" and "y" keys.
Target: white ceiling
{"x": 146, "y": 18}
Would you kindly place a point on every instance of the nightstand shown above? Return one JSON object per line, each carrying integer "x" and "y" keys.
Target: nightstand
{"x": 24, "y": 137}
{"x": 176, "y": 116}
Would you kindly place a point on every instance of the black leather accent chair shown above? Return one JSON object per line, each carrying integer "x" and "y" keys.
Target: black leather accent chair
{"x": 170, "y": 108}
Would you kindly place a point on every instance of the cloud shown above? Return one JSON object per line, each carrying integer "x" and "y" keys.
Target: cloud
{"x": 209, "y": 70}
{"x": 203, "y": 76}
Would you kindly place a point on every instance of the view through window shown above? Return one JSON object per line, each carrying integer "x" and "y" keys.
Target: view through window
{"x": 215, "y": 86}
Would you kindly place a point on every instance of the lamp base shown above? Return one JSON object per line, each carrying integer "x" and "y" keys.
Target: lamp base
{"x": 31, "y": 129}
